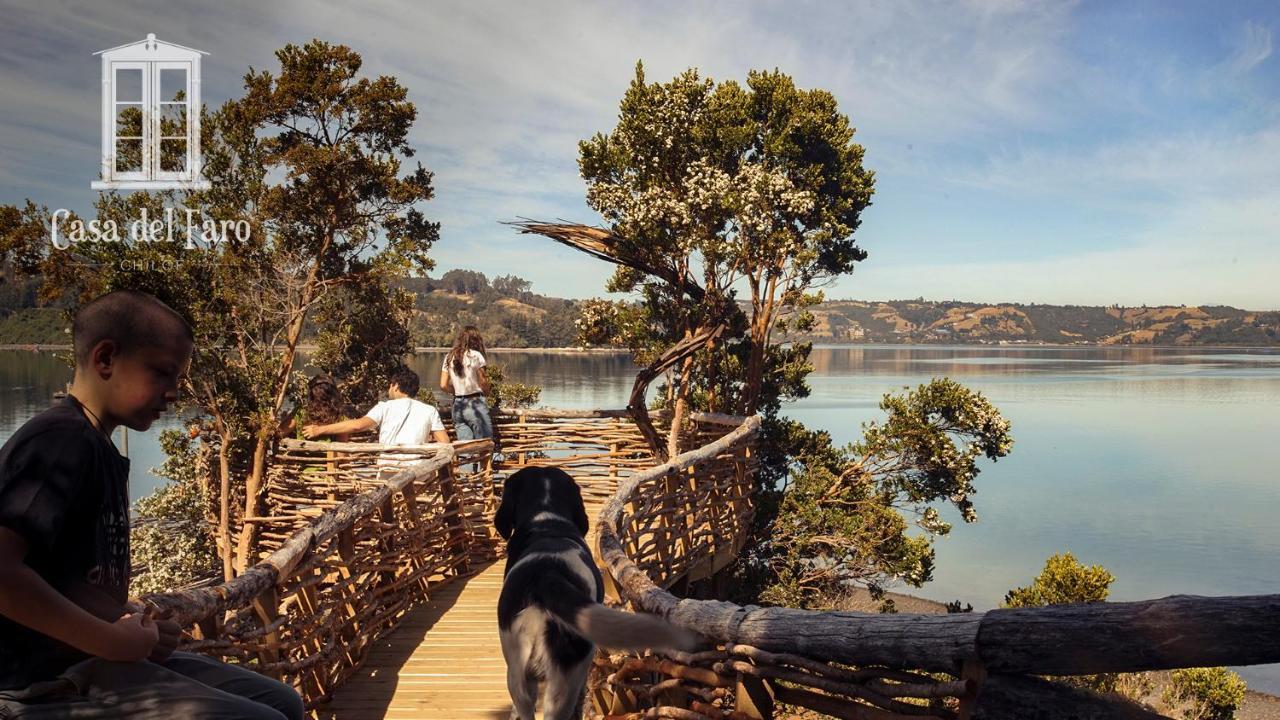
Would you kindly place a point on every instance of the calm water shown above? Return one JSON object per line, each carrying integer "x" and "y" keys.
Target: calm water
{"x": 1158, "y": 463}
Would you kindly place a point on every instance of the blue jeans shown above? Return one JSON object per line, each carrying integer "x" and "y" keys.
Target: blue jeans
{"x": 471, "y": 418}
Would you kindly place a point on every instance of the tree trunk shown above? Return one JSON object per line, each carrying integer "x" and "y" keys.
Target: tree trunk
{"x": 253, "y": 485}
{"x": 224, "y": 507}
{"x": 678, "y": 409}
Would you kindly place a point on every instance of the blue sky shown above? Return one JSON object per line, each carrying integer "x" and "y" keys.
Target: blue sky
{"x": 1057, "y": 152}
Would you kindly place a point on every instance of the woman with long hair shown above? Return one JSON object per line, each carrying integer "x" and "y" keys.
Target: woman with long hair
{"x": 463, "y": 374}
{"x": 323, "y": 406}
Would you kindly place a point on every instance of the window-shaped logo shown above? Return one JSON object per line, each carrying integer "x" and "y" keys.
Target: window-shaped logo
{"x": 151, "y": 117}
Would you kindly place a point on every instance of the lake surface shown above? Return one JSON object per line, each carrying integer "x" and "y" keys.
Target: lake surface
{"x": 1158, "y": 463}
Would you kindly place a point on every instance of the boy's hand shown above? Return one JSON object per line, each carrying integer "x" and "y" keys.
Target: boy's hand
{"x": 311, "y": 432}
{"x": 169, "y": 633}
{"x": 132, "y": 639}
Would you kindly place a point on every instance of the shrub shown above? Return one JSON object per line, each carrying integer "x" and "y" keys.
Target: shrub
{"x": 1213, "y": 693}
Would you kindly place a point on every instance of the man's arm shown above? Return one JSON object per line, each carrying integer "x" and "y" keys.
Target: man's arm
{"x": 440, "y": 436}
{"x": 28, "y": 600}
{"x": 343, "y": 427}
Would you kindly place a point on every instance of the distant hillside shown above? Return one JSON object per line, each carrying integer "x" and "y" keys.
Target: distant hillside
{"x": 505, "y": 309}
{"x": 510, "y": 314}
{"x": 922, "y": 321}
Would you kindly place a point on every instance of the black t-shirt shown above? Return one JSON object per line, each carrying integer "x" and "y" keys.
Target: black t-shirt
{"x": 65, "y": 489}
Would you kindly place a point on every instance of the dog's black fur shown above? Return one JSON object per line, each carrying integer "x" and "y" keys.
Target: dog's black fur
{"x": 550, "y": 614}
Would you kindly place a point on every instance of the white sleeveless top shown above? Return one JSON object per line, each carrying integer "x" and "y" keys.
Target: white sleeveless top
{"x": 468, "y": 383}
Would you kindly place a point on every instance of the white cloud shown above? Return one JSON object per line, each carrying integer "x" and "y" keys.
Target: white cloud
{"x": 1254, "y": 47}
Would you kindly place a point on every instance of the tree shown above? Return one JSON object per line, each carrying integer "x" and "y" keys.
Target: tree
{"x": 464, "y": 282}
{"x": 310, "y": 159}
{"x": 708, "y": 188}
{"x": 511, "y": 286}
{"x": 761, "y": 186}
{"x": 843, "y": 518}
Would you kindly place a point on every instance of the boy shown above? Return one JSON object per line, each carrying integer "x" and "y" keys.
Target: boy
{"x": 70, "y": 645}
{"x": 401, "y": 420}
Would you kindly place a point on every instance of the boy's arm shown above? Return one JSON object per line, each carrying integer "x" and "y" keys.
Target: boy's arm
{"x": 340, "y": 428}
{"x": 28, "y": 600}
{"x": 441, "y": 436}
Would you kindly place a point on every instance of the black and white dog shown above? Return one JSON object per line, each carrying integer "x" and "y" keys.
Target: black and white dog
{"x": 550, "y": 616}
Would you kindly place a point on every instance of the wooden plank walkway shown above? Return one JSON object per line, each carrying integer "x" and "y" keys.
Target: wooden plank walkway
{"x": 444, "y": 661}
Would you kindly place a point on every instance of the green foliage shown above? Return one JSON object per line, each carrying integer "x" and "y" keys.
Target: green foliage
{"x": 1064, "y": 580}
{"x": 718, "y": 186}
{"x": 171, "y": 542}
{"x": 843, "y": 517}
{"x": 504, "y": 395}
{"x": 1210, "y": 693}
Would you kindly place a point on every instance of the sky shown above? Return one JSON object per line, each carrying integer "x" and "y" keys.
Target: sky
{"x": 1070, "y": 153}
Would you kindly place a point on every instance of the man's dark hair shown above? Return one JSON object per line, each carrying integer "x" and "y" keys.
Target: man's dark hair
{"x": 134, "y": 320}
{"x": 406, "y": 380}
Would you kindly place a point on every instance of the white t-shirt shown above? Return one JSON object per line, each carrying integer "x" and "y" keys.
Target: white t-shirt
{"x": 468, "y": 383}
{"x": 405, "y": 421}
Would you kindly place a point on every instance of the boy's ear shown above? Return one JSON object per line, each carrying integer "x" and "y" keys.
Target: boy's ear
{"x": 102, "y": 357}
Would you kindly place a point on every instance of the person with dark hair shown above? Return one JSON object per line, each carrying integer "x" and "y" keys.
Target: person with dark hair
{"x": 323, "y": 405}
{"x": 400, "y": 419}
{"x": 463, "y": 374}
{"x": 71, "y": 642}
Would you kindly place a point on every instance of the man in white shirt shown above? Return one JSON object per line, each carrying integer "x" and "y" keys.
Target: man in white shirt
{"x": 400, "y": 420}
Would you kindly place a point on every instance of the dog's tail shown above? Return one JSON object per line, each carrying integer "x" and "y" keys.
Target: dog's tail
{"x": 620, "y": 630}
{"x": 608, "y": 627}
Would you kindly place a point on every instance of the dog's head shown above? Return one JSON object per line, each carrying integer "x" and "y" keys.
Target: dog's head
{"x": 539, "y": 490}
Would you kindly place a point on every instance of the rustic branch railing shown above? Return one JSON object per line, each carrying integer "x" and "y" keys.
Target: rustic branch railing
{"x": 859, "y": 665}
{"x": 349, "y": 545}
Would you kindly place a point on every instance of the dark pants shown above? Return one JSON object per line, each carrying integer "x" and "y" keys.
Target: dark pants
{"x": 186, "y": 686}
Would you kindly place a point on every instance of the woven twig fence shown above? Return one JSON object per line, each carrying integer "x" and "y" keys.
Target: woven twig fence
{"x": 354, "y": 535}
{"x": 685, "y": 521}
{"x": 351, "y": 544}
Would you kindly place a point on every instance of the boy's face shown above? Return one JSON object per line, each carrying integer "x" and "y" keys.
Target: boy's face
{"x": 143, "y": 383}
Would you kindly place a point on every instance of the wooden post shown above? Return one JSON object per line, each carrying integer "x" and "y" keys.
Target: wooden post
{"x": 753, "y": 698}
{"x": 267, "y": 606}
{"x": 974, "y": 674}
{"x": 453, "y": 510}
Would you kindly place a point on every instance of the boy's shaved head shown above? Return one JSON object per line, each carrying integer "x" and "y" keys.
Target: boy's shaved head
{"x": 133, "y": 320}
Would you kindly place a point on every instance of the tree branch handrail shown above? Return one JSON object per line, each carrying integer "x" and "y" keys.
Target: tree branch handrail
{"x": 188, "y": 607}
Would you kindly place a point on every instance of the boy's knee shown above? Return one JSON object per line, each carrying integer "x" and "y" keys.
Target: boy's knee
{"x": 287, "y": 701}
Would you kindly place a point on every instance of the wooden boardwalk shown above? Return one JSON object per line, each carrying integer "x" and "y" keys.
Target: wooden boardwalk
{"x": 444, "y": 662}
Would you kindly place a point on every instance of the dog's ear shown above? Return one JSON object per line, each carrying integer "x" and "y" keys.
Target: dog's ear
{"x": 579, "y": 509}
{"x": 505, "y": 519}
